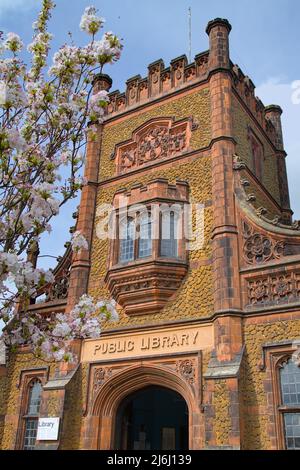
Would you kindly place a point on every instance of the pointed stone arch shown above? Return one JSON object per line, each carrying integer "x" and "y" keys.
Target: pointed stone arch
{"x": 99, "y": 429}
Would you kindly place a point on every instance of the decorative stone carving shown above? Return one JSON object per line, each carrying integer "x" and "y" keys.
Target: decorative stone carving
{"x": 258, "y": 291}
{"x": 59, "y": 289}
{"x": 245, "y": 183}
{"x": 156, "y": 140}
{"x": 238, "y": 163}
{"x": 296, "y": 225}
{"x": 259, "y": 248}
{"x": 251, "y": 198}
{"x": 186, "y": 369}
{"x": 274, "y": 289}
{"x": 145, "y": 287}
{"x": 261, "y": 211}
{"x": 101, "y": 374}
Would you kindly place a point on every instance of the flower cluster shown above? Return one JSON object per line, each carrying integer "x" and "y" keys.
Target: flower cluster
{"x": 25, "y": 278}
{"x": 79, "y": 242}
{"x": 53, "y": 340}
{"x": 108, "y": 49}
{"x": 90, "y": 22}
{"x": 97, "y": 105}
{"x": 13, "y": 42}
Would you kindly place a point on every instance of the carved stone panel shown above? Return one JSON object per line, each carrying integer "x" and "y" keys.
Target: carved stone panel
{"x": 158, "y": 139}
{"x": 259, "y": 248}
{"x": 273, "y": 289}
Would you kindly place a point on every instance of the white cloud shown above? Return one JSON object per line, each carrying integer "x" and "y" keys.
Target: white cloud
{"x": 275, "y": 91}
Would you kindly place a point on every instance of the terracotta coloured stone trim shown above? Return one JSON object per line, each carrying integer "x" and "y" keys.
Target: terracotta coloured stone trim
{"x": 189, "y": 156}
{"x": 165, "y": 163}
{"x": 261, "y": 187}
{"x": 266, "y": 268}
{"x": 153, "y": 103}
{"x": 257, "y": 123}
{"x": 160, "y": 82}
{"x": 268, "y": 317}
{"x": 129, "y": 361}
{"x": 268, "y": 227}
{"x": 100, "y": 422}
{"x": 279, "y": 345}
{"x": 26, "y": 376}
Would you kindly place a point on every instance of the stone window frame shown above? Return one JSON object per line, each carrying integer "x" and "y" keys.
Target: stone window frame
{"x": 144, "y": 285}
{"x": 136, "y": 240}
{"x": 27, "y": 379}
{"x": 114, "y": 256}
{"x": 273, "y": 358}
{"x": 31, "y": 416}
{"x": 281, "y": 408}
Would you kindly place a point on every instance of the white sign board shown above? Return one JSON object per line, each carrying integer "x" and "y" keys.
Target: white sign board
{"x": 47, "y": 429}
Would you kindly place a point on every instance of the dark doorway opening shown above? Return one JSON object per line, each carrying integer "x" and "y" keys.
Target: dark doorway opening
{"x": 153, "y": 418}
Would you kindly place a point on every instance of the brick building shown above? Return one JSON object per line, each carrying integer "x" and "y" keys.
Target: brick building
{"x": 204, "y": 352}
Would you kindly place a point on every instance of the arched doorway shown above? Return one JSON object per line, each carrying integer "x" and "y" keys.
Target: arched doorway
{"x": 152, "y": 418}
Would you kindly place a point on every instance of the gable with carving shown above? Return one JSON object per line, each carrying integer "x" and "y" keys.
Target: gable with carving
{"x": 158, "y": 139}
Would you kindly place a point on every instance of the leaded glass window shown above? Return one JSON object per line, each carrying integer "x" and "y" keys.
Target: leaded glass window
{"x": 31, "y": 416}
{"x": 168, "y": 243}
{"x": 30, "y": 433}
{"x": 145, "y": 241}
{"x": 127, "y": 236}
{"x": 290, "y": 403}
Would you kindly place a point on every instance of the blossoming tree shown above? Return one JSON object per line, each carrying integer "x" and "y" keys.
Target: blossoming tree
{"x": 44, "y": 111}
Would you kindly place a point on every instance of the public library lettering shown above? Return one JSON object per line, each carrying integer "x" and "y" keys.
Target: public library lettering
{"x": 147, "y": 344}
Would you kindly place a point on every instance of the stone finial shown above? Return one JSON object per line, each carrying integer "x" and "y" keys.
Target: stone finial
{"x": 218, "y": 22}
{"x": 274, "y": 108}
{"x": 101, "y": 81}
{"x": 273, "y": 113}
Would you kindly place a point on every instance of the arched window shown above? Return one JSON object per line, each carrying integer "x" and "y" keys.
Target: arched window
{"x": 290, "y": 402}
{"x": 32, "y": 414}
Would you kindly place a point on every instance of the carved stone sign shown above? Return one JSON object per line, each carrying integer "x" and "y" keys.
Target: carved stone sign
{"x": 164, "y": 341}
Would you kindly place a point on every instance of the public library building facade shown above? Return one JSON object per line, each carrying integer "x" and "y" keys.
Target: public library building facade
{"x": 204, "y": 354}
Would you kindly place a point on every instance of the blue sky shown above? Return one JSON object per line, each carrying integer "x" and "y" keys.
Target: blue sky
{"x": 264, "y": 43}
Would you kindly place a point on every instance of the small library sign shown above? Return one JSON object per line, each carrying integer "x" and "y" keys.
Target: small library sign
{"x": 47, "y": 429}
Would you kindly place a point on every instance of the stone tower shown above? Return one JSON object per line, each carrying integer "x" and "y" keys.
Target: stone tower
{"x": 219, "y": 323}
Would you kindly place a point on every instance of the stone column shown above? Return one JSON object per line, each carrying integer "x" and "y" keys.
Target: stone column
{"x": 227, "y": 297}
{"x": 81, "y": 262}
{"x": 225, "y": 237}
